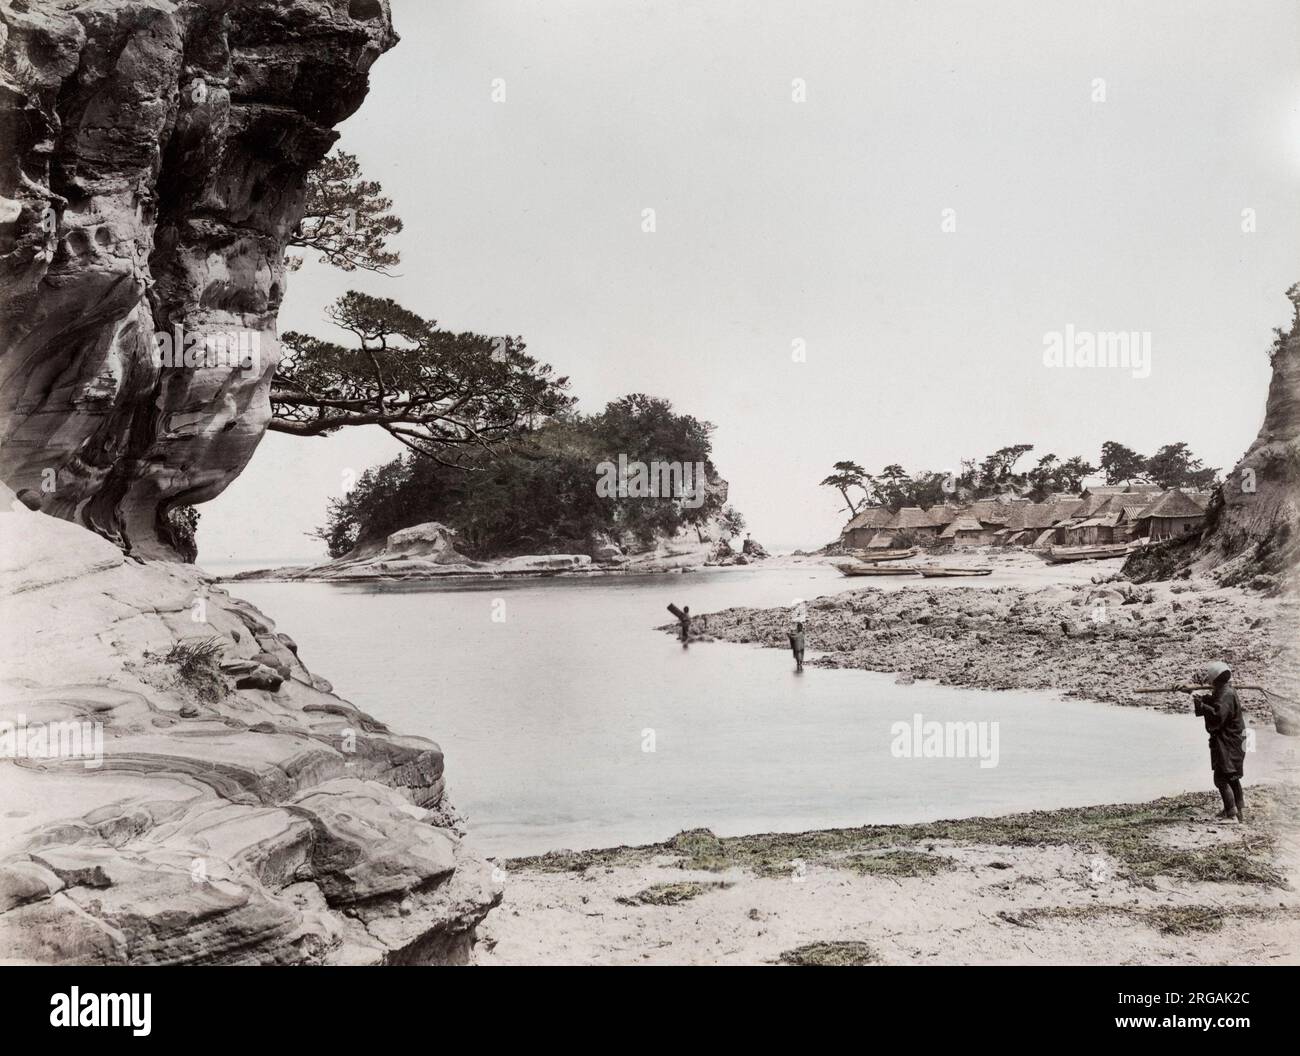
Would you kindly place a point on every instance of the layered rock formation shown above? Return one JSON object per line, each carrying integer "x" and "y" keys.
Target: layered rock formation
{"x": 210, "y": 799}
{"x": 1251, "y": 535}
{"x": 154, "y": 160}
{"x": 1253, "y": 524}
{"x": 218, "y": 825}
{"x": 423, "y": 551}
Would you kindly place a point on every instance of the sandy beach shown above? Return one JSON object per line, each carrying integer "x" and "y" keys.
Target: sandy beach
{"x": 1153, "y": 883}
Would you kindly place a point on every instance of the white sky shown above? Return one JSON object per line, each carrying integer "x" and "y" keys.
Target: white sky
{"x": 820, "y": 220}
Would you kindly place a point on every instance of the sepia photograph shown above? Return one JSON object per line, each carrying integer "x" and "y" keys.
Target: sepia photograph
{"x": 745, "y": 483}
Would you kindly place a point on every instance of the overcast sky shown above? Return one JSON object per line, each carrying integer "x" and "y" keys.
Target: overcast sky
{"x": 822, "y": 221}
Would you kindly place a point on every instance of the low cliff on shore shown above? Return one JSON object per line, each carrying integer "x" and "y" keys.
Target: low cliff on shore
{"x": 240, "y": 811}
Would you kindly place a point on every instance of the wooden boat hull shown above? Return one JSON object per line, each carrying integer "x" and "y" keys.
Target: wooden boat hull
{"x": 941, "y": 573}
{"x": 847, "y": 569}
{"x": 1064, "y": 555}
{"x": 885, "y": 555}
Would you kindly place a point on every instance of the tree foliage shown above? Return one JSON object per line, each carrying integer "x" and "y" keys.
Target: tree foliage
{"x": 1121, "y": 464}
{"x": 1173, "y": 466}
{"x": 346, "y": 219}
{"x": 539, "y": 495}
{"x": 849, "y": 475}
{"x": 435, "y": 391}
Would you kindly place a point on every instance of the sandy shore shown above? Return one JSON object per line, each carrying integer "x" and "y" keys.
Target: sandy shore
{"x": 1154, "y": 883}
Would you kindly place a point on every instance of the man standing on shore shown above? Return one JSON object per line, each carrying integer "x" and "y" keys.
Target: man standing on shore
{"x": 1227, "y": 729}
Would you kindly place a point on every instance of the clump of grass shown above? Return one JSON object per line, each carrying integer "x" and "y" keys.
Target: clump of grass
{"x": 1185, "y": 920}
{"x": 830, "y": 954}
{"x": 1168, "y": 920}
{"x": 196, "y": 662}
{"x": 671, "y": 894}
{"x": 566, "y": 861}
{"x": 899, "y": 863}
{"x": 1248, "y": 862}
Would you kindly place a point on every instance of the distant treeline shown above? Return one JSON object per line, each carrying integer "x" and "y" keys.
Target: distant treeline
{"x": 1173, "y": 466}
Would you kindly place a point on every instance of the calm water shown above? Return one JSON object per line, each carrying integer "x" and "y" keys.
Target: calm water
{"x": 543, "y": 717}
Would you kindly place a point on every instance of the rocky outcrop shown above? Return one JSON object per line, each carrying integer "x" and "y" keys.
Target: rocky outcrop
{"x": 155, "y": 154}
{"x": 1253, "y": 523}
{"x": 1251, "y": 535}
{"x": 423, "y": 551}
{"x": 218, "y": 824}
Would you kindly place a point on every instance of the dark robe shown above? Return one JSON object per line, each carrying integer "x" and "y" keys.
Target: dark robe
{"x": 1227, "y": 729}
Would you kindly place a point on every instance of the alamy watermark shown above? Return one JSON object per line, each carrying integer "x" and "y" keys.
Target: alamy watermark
{"x": 682, "y": 481}
{"x": 75, "y": 1009}
{"x": 192, "y": 349}
{"x": 1115, "y": 349}
{"x": 53, "y": 740}
{"x": 919, "y": 739}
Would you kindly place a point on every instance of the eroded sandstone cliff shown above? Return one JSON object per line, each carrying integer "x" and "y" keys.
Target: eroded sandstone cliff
{"x": 1252, "y": 531}
{"x": 222, "y": 804}
{"x": 1253, "y": 526}
{"x": 152, "y": 167}
{"x": 250, "y": 825}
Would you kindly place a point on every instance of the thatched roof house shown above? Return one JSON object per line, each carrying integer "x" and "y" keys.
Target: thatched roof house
{"x": 1095, "y": 498}
{"x": 1172, "y": 514}
{"x": 1064, "y": 509}
{"x": 991, "y": 511}
{"x": 966, "y": 530}
{"x": 911, "y": 519}
{"x": 869, "y": 517}
{"x": 865, "y": 523}
{"x": 943, "y": 514}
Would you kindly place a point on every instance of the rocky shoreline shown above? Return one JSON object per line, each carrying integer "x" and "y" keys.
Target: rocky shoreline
{"x": 239, "y": 812}
{"x": 1099, "y": 641}
{"x": 428, "y": 552}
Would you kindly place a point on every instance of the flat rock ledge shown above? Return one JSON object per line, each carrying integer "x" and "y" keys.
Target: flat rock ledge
{"x": 219, "y": 825}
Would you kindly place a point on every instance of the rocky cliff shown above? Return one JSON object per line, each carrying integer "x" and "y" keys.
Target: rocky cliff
{"x": 177, "y": 785}
{"x": 1252, "y": 529}
{"x": 153, "y": 164}
{"x": 211, "y": 800}
{"x": 1253, "y": 524}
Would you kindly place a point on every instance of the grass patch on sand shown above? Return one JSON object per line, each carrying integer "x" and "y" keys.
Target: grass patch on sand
{"x": 1127, "y": 832}
{"x": 196, "y": 664}
{"x": 1168, "y": 920}
{"x": 895, "y": 863}
{"x": 671, "y": 894}
{"x": 830, "y": 954}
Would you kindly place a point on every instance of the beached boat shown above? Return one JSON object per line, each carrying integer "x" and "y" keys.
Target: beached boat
{"x": 848, "y": 568}
{"x": 875, "y": 556}
{"x": 1060, "y": 555}
{"x": 937, "y": 572}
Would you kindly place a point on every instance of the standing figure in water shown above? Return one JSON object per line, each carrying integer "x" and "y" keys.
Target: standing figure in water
{"x": 684, "y": 619}
{"x": 797, "y": 643}
{"x": 1227, "y": 729}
